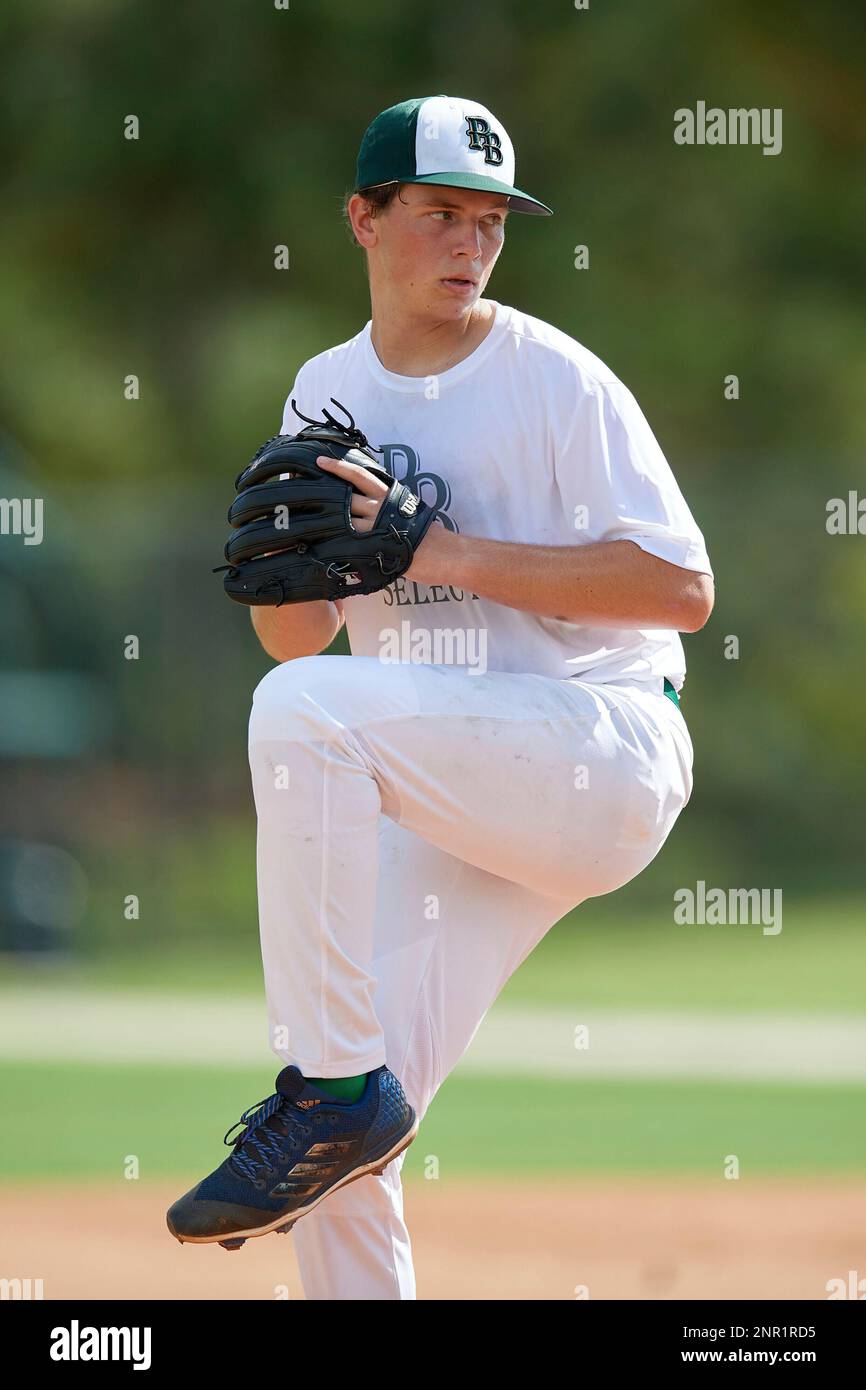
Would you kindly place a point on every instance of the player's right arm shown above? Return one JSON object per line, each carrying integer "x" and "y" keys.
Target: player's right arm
{"x": 297, "y": 629}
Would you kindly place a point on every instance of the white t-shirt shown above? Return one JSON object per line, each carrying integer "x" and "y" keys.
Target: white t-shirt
{"x": 529, "y": 439}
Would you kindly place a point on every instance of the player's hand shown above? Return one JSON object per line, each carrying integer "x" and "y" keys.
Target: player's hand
{"x": 364, "y": 507}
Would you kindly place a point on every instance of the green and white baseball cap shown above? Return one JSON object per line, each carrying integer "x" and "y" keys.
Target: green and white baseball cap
{"x": 446, "y": 140}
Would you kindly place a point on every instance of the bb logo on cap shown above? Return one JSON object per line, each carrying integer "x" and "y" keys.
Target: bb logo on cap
{"x": 481, "y": 137}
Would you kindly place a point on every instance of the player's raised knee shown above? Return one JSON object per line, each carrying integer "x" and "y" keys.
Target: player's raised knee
{"x": 285, "y": 698}
{"x": 301, "y": 699}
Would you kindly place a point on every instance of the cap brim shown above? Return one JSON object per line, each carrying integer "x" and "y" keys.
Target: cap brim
{"x": 517, "y": 201}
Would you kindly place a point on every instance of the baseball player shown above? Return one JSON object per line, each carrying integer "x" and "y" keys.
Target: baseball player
{"x": 500, "y": 532}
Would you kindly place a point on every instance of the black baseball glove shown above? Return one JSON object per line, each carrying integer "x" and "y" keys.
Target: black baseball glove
{"x": 293, "y": 539}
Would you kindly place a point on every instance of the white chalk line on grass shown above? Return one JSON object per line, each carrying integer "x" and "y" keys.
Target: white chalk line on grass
{"x": 92, "y": 1025}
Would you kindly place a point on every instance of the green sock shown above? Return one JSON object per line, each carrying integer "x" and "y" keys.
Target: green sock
{"x": 348, "y": 1088}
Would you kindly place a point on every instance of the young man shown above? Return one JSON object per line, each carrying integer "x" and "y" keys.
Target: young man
{"x": 505, "y": 740}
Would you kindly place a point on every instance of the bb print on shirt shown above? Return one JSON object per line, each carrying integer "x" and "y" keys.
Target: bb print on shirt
{"x": 402, "y": 461}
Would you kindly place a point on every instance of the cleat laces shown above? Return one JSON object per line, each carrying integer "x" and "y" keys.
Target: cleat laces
{"x": 261, "y": 1145}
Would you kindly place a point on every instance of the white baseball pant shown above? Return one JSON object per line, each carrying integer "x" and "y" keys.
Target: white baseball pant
{"x": 419, "y": 830}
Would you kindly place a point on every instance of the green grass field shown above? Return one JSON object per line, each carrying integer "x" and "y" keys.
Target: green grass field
{"x": 596, "y": 956}
{"x": 82, "y": 1122}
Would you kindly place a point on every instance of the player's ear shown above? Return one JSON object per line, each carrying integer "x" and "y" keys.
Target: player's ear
{"x": 363, "y": 222}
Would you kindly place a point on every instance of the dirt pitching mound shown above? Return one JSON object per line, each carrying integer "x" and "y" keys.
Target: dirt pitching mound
{"x": 532, "y": 1239}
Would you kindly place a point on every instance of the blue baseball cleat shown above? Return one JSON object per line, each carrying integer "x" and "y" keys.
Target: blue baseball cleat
{"x": 296, "y": 1148}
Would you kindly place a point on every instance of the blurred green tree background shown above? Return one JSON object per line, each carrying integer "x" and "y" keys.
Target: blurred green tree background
{"x": 155, "y": 257}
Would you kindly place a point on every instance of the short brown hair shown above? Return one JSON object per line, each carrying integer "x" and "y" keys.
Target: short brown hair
{"x": 377, "y": 199}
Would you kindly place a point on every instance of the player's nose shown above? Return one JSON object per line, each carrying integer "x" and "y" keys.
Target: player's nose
{"x": 470, "y": 242}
